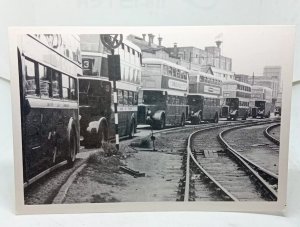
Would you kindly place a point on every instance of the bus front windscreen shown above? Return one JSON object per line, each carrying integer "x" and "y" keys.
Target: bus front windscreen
{"x": 260, "y": 105}
{"x": 195, "y": 100}
{"x": 153, "y": 97}
{"x": 90, "y": 89}
{"x": 233, "y": 103}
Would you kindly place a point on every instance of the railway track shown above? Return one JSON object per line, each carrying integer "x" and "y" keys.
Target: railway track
{"x": 267, "y": 133}
{"x": 219, "y": 173}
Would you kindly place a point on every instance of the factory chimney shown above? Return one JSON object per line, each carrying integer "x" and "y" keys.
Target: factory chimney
{"x": 150, "y": 37}
{"x": 159, "y": 41}
{"x": 175, "y": 50}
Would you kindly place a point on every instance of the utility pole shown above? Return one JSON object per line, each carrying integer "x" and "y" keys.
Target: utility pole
{"x": 113, "y": 41}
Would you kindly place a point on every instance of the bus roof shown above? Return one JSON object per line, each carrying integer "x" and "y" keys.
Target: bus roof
{"x": 132, "y": 45}
{"x": 163, "y": 62}
{"x": 204, "y": 95}
{"x": 262, "y": 87}
{"x": 170, "y": 92}
{"x": 199, "y": 73}
{"x": 236, "y": 82}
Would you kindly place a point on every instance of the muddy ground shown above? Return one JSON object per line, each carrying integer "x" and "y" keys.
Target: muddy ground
{"x": 103, "y": 181}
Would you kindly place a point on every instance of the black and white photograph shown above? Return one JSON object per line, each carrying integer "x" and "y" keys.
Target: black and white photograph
{"x": 188, "y": 115}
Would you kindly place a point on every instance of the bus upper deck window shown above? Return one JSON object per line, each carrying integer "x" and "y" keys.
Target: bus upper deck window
{"x": 73, "y": 95}
{"x": 30, "y": 78}
{"x": 130, "y": 98}
{"x": 125, "y": 98}
{"x": 174, "y": 72}
{"x": 65, "y": 87}
{"x": 44, "y": 76}
{"x": 170, "y": 71}
{"x": 56, "y": 77}
{"x": 120, "y": 97}
{"x": 135, "y": 98}
{"x": 165, "y": 68}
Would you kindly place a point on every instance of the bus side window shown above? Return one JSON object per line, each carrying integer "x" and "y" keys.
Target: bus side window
{"x": 174, "y": 72}
{"x": 125, "y": 98}
{"x": 165, "y": 70}
{"x": 31, "y": 85}
{"x": 44, "y": 80}
{"x": 73, "y": 86}
{"x": 65, "y": 86}
{"x": 135, "y": 98}
{"x": 169, "y": 71}
{"x": 130, "y": 98}
{"x": 56, "y": 81}
{"x": 120, "y": 97}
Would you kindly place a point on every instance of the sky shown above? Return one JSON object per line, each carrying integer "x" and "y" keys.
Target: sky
{"x": 250, "y": 47}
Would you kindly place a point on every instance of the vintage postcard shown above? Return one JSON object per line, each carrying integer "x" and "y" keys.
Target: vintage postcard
{"x": 111, "y": 119}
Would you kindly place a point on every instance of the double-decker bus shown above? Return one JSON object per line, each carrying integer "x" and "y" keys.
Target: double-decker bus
{"x": 163, "y": 97}
{"x": 236, "y": 99}
{"x": 97, "y": 123}
{"x": 49, "y": 65}
{"x": 261, "y": 99}
{"x": 204, "y": 97}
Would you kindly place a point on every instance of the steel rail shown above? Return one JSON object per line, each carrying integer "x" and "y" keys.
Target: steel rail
{"x": 215, "y": 182}
{"x": 269, "y": 136}
{"x": 269, "y": 176}
{"x": 261, "y": 174}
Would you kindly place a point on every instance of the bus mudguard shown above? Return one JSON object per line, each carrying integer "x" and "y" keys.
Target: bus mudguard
{"x": 93, "y": 127}
{"x": 157, "y": 115}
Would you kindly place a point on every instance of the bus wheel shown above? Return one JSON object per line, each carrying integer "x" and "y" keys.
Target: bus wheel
{"x": 199, "y": 119}
{"x": 162, "y": 122}
{"x": 73, "y": 148}
{"x": 182, "y": 121}
{"x": 131, "y": 130}
{"x": 216, "y": 118}
{"x": 103, "y": 137}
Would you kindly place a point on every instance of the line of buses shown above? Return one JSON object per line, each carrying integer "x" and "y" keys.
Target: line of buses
{"x": 67, "y": 101}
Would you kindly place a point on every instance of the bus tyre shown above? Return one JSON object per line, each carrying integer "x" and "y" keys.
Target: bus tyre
{"x": 72, "y": 148}
{"x": 182, "y": 121}
{"x": 102, "y": 136}
{"x": 161, "y": 123}
{"x": 131, "y": 130}
{"x": 235, "y": 117}
{"x": 199, "y": 119}
{"x": 216, "y": 118}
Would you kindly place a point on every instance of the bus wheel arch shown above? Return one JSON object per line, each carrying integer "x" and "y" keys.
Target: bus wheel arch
{"x": 182, "y": 120}
{"x": 73, "y": 143}
{"x": 102, "y": 135}
{"x": 160, "y": 121}
{"x": 216, "y": 117}
{"x": 132, "y": 128}
{"x": 163, "y": 120}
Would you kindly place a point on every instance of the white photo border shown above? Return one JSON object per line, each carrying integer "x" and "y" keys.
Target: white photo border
{"x": 264, "y": 207}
